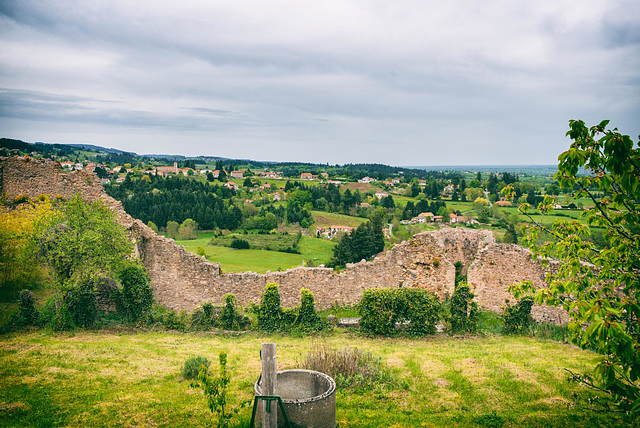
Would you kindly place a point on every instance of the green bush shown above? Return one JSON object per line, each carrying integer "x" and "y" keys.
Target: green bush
{"x": 169, "y": 319}
{"x": 136, "y": 295}
{"x": 27, "y": 312}
{"x": 62, "y": 319}
{"x": 414, "y": 309}
{"x": 204, "y": 317}
{"x": 191, "y": 367}
{"x": 240, "y": 244}
{"x": 464, "y": 311}
{"x": 82, "y": 305}
{"x": 517, "y": 318}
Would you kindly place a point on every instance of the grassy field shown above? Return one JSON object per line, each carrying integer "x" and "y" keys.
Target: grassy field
{"x": 120, "y": 378}
{"x": 325, "y": 219}
{"x": 260, "y": 261}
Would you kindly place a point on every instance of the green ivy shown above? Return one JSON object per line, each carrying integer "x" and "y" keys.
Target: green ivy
{"x": 272, "y": 317}
{"x": 517, "y": 318}
{"x": 464, "y": 311}
{"x": 269, "y": 311}
{"x": 136, "y": 295}
{"x": 382, "y": 308}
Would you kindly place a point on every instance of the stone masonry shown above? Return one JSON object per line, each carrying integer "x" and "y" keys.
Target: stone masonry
{"x": 183, "y": 281}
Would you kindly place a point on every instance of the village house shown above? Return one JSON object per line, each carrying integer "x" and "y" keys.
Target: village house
{"x": 324, "y": 175}
{"x": 381, "y": 194}
{"x": 237, "y": 174}
{"x": 422, "y": 182}
{"x": 335, "y": 230}
{"x": 66, "y": 165}
{"x": 306, "y": 176}
{"x": 166, "y": 170}
{"x": 454, "y": 218}
{"x": 428, "y": 215}
{"x": 265, "y": 186}
{"x": 269, "y": 174}
{"x": 216, "y": 173}
{"x": 231, "y": 185}
{"x": 277, "y": 197}
{"x": 366, "y": 180}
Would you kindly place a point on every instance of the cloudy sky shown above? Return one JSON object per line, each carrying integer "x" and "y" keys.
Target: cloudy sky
{"x": 423, "y": 82}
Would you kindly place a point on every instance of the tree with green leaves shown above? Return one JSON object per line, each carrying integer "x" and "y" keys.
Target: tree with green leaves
{"x": 188, "y": 229}
{"x": 598, "y": 287}
{"x": 80, "y": 242}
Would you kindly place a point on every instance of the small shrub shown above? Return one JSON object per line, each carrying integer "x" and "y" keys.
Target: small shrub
{"x": 490, "y": 420}
{"x": 240, "y": 244}
{"x": 517, "y": 318}
{"x": 191, "y": 367}
{"x": 216, "y": 390}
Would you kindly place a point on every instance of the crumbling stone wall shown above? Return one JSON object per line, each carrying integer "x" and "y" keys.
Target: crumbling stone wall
{"x": 183, "y": 281}
{"x": 497, "y": 266}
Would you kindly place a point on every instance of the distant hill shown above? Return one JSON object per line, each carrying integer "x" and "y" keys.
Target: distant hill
{"x": 97, "y": 148}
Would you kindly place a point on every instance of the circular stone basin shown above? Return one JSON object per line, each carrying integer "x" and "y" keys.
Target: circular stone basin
{"x": 309, "y": 397}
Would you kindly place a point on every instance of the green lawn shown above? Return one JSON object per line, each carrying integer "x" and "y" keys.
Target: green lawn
{"x": 121, "y": 378}
{"x": 260, "y": 261}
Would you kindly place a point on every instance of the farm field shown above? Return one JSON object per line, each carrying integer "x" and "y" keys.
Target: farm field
{"x": 325, "y": 219}
{"x": 125, "y": 378}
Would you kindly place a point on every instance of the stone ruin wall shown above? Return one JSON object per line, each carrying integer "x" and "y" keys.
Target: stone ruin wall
{"x": 183, "y": 281}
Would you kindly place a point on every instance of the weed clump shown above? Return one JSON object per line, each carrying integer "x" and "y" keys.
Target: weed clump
{"x": 191, "y": 367}
{"x": 351, "y": 368}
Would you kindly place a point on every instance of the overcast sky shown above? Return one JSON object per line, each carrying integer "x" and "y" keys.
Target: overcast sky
{"x": 455, "y": 82}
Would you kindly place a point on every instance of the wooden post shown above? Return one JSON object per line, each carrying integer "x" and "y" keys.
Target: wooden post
{"x": 269, "y": 368}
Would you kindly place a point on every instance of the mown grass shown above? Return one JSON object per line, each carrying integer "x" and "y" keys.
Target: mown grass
{"x": 261, "y": 261}
{"x": 106, "y": 379}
